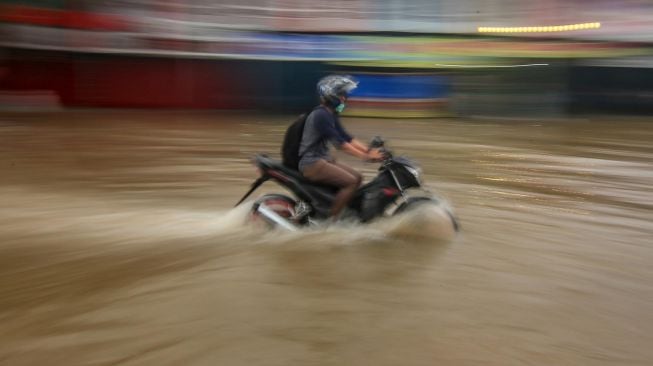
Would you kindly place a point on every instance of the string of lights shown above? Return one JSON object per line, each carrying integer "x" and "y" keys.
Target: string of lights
{"x": 550, "y": 28}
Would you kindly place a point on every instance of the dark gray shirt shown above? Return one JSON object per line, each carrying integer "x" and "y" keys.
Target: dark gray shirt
{"x": 321, "y": 127}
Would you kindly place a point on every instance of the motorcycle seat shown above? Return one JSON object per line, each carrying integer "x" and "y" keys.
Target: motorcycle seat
{"x": 277, "y": 165}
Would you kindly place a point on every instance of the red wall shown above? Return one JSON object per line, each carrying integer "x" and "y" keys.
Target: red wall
{"x": 114, "y": 81}
{"x": 43, "y": 16}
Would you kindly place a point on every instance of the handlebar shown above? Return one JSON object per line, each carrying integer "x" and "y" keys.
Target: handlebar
{"x": 379, "y": 143}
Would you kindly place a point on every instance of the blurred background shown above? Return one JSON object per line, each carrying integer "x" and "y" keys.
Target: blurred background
{"x": 416, "y": 58}
{"x": 119, "y": 243}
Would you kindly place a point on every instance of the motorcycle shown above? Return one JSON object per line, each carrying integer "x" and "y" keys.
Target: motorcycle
{"x": 385, "y": 195}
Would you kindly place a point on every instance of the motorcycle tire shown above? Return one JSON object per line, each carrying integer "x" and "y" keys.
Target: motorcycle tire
{"x": 280, "y": 204}
{"x": 414, "y": 202}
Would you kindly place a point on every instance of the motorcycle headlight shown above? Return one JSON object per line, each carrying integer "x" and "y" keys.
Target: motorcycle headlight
{"x": 416, "y": 172}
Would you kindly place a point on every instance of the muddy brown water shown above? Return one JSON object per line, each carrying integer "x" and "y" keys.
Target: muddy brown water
{"x": 119, "y": 246}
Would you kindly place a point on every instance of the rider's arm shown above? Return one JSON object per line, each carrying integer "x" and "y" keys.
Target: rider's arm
{"x": 326, "y": 126}
{"x": 331, "y": 129}
{"x": 359, "y": 145}
{"x": 352, "y": 149}
{"x": 371, "y": 154}
{"x": 353, "y": 146}
{"x": 341, "y": 130}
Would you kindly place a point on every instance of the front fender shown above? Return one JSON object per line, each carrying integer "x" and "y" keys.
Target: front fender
{"x": 414, "y": 202}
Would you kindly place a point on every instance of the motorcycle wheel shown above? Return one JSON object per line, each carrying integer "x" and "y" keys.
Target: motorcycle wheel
{"x": 414, "y": 202}
{"x": 281, "y": 205}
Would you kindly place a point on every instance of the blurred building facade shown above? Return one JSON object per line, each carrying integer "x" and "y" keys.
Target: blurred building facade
{"x": 267, "y": 54}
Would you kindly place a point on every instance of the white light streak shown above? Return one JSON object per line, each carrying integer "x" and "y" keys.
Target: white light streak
{"x": 490, "y": 66}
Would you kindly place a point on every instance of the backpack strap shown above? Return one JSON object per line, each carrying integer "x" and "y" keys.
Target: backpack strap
{"x": 306, "y": 119}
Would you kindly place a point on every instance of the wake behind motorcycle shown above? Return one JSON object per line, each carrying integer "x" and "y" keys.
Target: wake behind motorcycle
{"x": 385, "y": 195}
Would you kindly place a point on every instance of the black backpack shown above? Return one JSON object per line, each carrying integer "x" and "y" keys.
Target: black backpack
{"x": 291, "y": 142}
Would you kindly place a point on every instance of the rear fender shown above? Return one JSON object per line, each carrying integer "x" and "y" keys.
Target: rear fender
{"x": 257, "y": 183}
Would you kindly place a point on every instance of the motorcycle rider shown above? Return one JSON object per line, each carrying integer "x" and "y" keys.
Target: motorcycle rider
{"x": 323, "y": 126}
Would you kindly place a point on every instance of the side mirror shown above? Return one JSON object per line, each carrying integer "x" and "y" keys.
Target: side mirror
{"x": 377, "y": 142}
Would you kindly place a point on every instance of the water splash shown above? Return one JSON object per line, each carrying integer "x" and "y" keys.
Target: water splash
{"x": 426, "y": 223}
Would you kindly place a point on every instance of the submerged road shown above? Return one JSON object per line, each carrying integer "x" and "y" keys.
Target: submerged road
{"x": 119, "y": 246}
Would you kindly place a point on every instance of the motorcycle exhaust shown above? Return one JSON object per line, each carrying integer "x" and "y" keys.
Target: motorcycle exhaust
{"x": 272, "y": 216}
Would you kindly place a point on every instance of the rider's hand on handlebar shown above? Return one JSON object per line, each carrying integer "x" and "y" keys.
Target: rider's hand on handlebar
{"x": 375, "y": 155}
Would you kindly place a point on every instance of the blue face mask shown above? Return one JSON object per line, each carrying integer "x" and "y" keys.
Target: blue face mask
{"x": 340, "y": 107}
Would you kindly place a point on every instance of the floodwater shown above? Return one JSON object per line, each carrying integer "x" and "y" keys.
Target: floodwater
{"x": 119, "y": 245}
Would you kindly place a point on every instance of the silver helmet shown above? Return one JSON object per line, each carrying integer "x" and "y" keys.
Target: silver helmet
{"x": 331, "y": 88}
